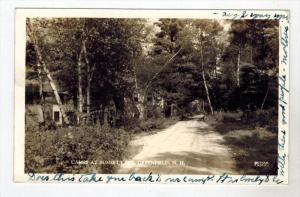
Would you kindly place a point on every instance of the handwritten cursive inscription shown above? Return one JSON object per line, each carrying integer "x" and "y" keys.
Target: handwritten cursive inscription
{"x": 284, "y": 40}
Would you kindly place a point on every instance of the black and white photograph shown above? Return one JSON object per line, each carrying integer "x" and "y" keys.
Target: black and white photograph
{"x": 165, "y": 95}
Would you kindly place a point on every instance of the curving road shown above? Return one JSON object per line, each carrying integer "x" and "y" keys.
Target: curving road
{"x": 188, "y": 147}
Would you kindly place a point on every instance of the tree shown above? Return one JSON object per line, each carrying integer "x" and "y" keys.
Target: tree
{"x": 179, "y": 82}
{"x": 111, "y": 50}
{"x": 175, "y": 73}
{"x": 206, "y": 32}
{"x": 87, "y": 56}
{"x": 255, "y": 44}
{"x": 42, "y": 66}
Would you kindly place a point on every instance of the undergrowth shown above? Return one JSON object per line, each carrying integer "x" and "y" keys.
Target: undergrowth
{"x": 60, "y": 150}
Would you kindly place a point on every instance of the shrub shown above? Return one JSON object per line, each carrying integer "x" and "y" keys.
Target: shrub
{"x": 154, "y": 124}
{"x": 263, "y": 118}
{"x": 56, "y": 151}
{"x": 151, "y": 124}
{"x": 31, "y": 119}
{"x": 229, "y": 121}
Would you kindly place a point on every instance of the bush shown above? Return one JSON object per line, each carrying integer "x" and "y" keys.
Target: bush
{"x": 154, "y": 124}
{"x": 263, "y": 118}
{"x": 151, "y": 124}
{"x": 229, "y": 121}
{"x": 31, "y": 119}
{"x": 56, "y": 151}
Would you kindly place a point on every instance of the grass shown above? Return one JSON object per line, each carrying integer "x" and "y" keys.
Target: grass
{"x": 250, "y": 141}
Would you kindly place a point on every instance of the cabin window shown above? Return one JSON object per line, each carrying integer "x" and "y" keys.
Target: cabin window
{"x": 56, "y": 116}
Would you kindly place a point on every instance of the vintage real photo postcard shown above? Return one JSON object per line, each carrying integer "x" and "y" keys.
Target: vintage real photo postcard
{"x": 151, "y": 96}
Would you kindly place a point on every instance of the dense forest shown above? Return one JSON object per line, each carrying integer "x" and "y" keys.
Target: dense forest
{"x": 122, "y": 73}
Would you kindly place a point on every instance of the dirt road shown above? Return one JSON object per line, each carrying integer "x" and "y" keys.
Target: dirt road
{"x": 188, "y": 147}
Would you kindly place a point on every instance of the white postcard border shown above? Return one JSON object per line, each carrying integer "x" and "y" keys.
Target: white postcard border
{"x": 19, "y": 136}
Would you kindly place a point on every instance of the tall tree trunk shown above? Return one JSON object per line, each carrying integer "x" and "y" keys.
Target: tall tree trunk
{"x": 252, "y": 29}
{"x": 238, "y": 67}
{"x": 88, "y": 94}
{"x": 89, "y": 79}
{"x": 204, "y": 80}
{"x": 207, "y": 92}
{"x": 139, "y": 103}
{"x": 56, "y": 94}
{"x": 265, "y": 98}
{"x": 41, "y": 95}
{"x": 79, "y": 75}
{"x": 119, "y": 103}
{"x": 214, "y": 63}
{"x": 251, "y": 52}
{"x": 50, "y": 79}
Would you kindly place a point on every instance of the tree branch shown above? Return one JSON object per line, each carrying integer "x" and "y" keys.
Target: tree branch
{"x": 162, "y": 68}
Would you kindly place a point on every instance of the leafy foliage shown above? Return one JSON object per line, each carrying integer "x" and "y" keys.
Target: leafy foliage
{"x": 238, "y": 67}
{"x": 60, "y": 150}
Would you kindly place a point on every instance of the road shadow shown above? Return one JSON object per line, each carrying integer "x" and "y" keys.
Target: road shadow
{"x": 232, "y": 149}
{"x": 203, "y": 131}
{"x": 254, "y": 155}
{"x": 255, "y": 149}
{"x": 185, "y": 163}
